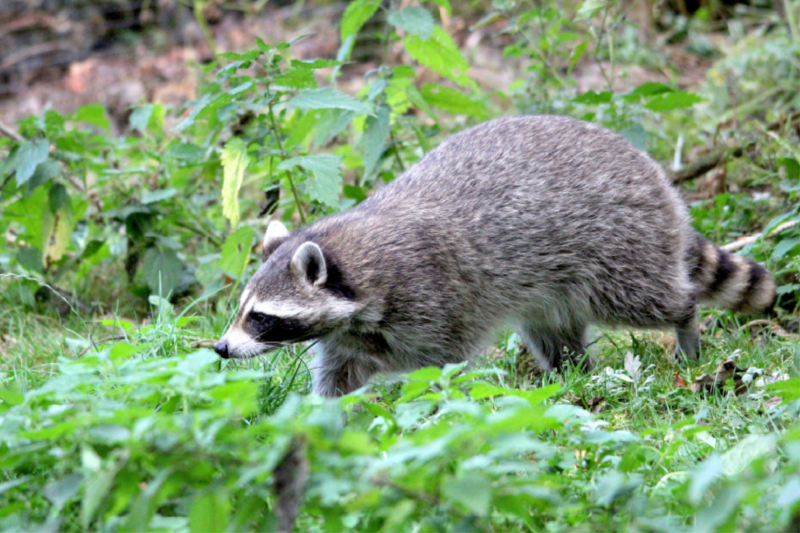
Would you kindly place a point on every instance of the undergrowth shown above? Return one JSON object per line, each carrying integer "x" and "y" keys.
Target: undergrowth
{"x": 124, "y": 258}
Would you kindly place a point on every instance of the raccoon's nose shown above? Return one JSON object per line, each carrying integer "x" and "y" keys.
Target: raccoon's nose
{"x": 222, "y": 349}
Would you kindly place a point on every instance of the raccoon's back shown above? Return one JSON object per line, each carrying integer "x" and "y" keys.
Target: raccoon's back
{"x": 565, "y": 191}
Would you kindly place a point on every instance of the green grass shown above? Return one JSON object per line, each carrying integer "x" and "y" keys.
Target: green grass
{"x": 152, "y": 434}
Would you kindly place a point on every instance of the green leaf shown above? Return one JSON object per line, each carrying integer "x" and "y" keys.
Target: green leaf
{"x": 328, "y": 98}
{"x": 440, "y": 54}
{"x": 209, "y": 512}
{"x": 356, "y": 15}
{"x": 414, "y": 19}
{"x": 453, "y": 101}
{"x": 784, "y": 247}
{"x": 162, "y": 270}
{"x": 28, "y": 156}
{"x": 327, "y": 182}
{"x": 236, "y": 251}
{"x": 59, "y": 492}
{"x": 45, "y": 171}
{"x": 473, "y": 491}
{"x": 672, "y": 100}
{"x": 792, "y": 168}
{"x": 373, "y": 141}
{"x": 11, "y": 396}
{"x": 576, "y": 55}
{"x": 140, "y": 118}
{"x": 149, "y": 197}
{"x": 354, "y": 193}
{"x": 703, "y": 476}
{"x": 651, "y": 88}
{"x": 594, "y": 98}
{"x": 93, "y": 114}
{"x": 788, "y": 389}
{"x": 296, "y": 78}
{"x": 234, "y": 162}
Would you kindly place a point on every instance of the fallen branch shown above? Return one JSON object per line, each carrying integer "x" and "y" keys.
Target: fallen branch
{"x": 744, "y": 241}
{"x": 702, "y": 165}
{"x": 9, "y": 132}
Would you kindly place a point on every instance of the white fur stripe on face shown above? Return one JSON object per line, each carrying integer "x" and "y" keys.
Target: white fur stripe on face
{"x": 333, "y": 309}
{"x": 237, "y": 339}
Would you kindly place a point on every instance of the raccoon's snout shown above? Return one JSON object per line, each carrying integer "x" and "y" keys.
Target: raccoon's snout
{"x": 221, "y": 348}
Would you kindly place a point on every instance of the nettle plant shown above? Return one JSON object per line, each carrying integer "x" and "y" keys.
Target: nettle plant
{"x": 162, "y": 198}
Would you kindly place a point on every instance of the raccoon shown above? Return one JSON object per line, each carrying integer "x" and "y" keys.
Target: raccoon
{"x": 547, "y": 223}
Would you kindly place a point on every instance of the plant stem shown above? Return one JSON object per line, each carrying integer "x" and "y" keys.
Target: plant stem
{"x": 274, "y": 128}
{"x": 204, "y": 29}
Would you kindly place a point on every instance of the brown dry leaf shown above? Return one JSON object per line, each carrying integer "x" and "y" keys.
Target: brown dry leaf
{"x": 716, "y": 380}
{"x": 780, "y": 332}
{"x": 679, "y": 382}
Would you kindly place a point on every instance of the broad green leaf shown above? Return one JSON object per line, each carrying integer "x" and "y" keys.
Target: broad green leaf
{"x": 11, "y": 396}
{"x": 236, "y": 251}
{"x": 440, "y": 54}
{"x": 414, "y": 19}
{"x": 651, "y": 88}
{"x": 327, "y": 172}
{"x": 738, "y": 458}
{"x": 45, "y": 171}
{"x": 784, "y": 247}
{"x": 234, "y": 162}
{"x": 453, "y": 101}
{"x": 149, "y": 197}
{"x": 671, "y": 100}
{"x": 373, "y": 141}
{"x": 703, "y": 476}
{"x": 296, "y": 78}
{"x": 162, "y": 270}
{"x": 27, "y": 158}
{"x": 355, "y": 193}
{"x": 210, "y": 512}
{"x": 356, "y": 15}
{"x": 185, "y": 152}
{"x": 204, "y": 105}
{"x": 140, "y": 118}
{"x": 594, "y": 98}
{"x": 59, "y": 492}
{"x": 788, "y": 389}
{"x": 473, "y": 491}
{"x": 328, "y": 98}
{"x": 93, "y": 114}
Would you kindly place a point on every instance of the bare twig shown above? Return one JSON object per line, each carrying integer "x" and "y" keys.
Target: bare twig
{"x": 744, "y": 241}
{"x": 9, "y": 132}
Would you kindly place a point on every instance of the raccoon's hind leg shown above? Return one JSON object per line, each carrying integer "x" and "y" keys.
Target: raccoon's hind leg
{"x": 687, "y": 332}
{"x": 549, "y": 346}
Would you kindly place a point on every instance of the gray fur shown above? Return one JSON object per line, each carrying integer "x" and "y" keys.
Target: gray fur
{"x": 545, "y": 222}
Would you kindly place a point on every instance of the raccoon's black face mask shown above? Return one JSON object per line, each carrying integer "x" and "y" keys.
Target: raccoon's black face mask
{"x": 296, "y": 295}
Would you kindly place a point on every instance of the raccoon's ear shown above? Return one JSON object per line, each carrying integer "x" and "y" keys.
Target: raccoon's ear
{"x": 275, "y": 236}
{"x": 308, "y": 265}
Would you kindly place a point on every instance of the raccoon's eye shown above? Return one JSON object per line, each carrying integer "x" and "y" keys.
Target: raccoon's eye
{"x": 258, "y": 318}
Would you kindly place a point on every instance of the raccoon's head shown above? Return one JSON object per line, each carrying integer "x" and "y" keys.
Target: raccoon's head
{"x": 298, "y": 294}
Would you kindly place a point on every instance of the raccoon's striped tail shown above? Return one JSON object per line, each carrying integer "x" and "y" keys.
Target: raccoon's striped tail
{"x": 730, "y": 281}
